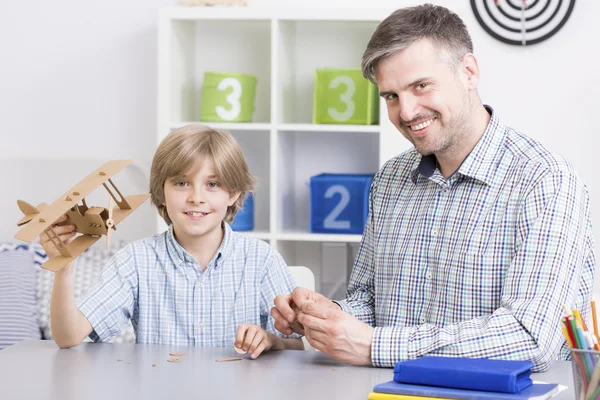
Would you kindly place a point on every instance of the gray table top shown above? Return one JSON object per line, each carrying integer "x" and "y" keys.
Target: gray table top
{"x": 40, "y": 370}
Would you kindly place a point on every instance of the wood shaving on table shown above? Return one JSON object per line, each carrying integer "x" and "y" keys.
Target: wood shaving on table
{"x": 176, "y": 353}
{"x": 239, "y": 351}
{"x": 174, "y": 360}
{"x": 228, "y": 359}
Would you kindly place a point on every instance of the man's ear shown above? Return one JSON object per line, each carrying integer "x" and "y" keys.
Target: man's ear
{"x": 470, "y": 71}
{"x": 233, "y": 198}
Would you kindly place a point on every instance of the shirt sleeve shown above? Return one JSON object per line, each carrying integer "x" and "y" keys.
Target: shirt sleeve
{"x": 277, "y": 281}
{"x": 554, "y": 249}
{"x": 109, "y": 302}
{"x": 360, "y": 296}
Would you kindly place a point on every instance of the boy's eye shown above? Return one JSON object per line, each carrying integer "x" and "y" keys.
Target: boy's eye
{"x": 181, "y": 184}
{"x": 213, "y": 185}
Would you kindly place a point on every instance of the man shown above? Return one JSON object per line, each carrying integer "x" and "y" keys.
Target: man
{"x": 475, "y": 238}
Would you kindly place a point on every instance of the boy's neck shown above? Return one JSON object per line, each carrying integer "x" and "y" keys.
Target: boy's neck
{"x": 203, "y": 249}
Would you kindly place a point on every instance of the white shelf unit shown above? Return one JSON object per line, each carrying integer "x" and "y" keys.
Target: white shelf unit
{"x": 282, "y": 48}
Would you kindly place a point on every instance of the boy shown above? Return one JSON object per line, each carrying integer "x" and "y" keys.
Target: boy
{"x": 196, "y": 282}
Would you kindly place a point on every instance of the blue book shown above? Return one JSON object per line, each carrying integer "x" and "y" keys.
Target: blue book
{"x": 508, "y": 376}
{"x": 537, "y": 391}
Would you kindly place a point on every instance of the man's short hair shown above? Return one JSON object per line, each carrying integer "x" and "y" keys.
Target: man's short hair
{"x": 183, "y": 148}
{"x": 405, "y": 26}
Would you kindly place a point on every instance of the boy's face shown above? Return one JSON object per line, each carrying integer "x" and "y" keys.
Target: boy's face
{"x": 197, "y": 203}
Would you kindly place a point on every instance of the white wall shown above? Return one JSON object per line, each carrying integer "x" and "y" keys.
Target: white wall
{"x": 79, "y": 80}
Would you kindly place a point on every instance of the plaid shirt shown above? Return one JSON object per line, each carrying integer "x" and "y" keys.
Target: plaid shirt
{"x": 170, "y": 300}
{"x": 478, "y": 264}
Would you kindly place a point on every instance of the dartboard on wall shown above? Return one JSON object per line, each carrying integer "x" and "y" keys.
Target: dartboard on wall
{"x": 522, "y": 22}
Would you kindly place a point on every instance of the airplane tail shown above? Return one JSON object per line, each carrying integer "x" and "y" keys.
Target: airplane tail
{"x": 29, "y": 211}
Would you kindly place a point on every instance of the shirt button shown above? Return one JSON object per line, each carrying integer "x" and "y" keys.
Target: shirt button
{"x": 429, "y": 275}
{"x": 422, "y": 320}
{"x": 200, "y": 325}
{"x": 434, "y": 232}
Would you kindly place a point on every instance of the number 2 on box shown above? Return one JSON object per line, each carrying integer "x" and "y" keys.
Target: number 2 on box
{"x": 233, "y": 98}
{"x": 330, "y": 221}
{"x": 345, "y": 97}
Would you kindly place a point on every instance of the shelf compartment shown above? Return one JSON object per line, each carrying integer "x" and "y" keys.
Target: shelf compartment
{"x": 196, "y": 47}
{"x": 305, "y": 46}
{"x": 303, "y": 154}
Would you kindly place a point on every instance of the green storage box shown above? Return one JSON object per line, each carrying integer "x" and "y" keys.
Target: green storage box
{"x": 227, "y": 97}
{"x": 344, "y": 96}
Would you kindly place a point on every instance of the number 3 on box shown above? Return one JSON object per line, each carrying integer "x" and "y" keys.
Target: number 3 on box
{"x": 233, "y": 98}
{"x": 345, "y": 97}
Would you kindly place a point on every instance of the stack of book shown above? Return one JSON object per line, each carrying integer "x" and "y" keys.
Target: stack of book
{"x": 462, "y": 378}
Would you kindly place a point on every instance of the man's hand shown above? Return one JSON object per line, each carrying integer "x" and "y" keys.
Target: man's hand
{"x": 336, "y": 333}
{"x": 252, "y": 339}
{"x": 285, "y": 312}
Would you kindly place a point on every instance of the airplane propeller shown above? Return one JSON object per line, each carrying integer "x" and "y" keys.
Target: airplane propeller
{"x": 109, "y": 222}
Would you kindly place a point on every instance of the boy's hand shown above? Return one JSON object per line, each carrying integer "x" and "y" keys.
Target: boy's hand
{"x": 252, "y": 339}
{"x": 65, "y": 233}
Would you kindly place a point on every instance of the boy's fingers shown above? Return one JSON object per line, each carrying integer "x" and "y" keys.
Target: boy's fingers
{"x": 259, "y": 350}
{"x": 250, "y": 334}
{"x": 258, "y": 339}
{"x": 240, "y": 335}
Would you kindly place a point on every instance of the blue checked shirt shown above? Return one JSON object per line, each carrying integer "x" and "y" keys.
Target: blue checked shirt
{"x": 478, "y": 264}
{"x": 170, "y": 300}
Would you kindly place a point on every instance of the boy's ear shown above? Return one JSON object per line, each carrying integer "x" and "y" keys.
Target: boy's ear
{"x": 233, "y": 198}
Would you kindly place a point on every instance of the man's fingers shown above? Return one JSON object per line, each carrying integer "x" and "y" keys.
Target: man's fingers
{"x": 282, "y": 303}
{"x": 315, "y": 340}
{"x": 312, "y": 323}
{"x": 318, "y": 310}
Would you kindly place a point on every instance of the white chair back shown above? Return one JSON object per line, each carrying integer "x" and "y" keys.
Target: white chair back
{"x": 305, "y": 278}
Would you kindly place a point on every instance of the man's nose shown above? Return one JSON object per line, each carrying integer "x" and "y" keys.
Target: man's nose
{"x": 408, "y": 107}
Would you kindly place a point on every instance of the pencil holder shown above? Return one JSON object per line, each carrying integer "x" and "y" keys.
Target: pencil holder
{"x": 244, "y": 219}
{"x": 586, "y": 374}
{"x": 344, "y": 96}
{"x": 227, "y": 97}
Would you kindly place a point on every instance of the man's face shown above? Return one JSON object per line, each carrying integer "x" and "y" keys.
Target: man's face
{"x": 427, "y": 100}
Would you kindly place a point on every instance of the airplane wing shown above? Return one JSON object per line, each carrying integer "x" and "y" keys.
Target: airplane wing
{"x": 134, "y": 201}
{"x": 45, "y": 218}
{"x": 76, "y": 247}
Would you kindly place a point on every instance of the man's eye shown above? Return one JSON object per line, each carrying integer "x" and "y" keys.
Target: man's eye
{"x": 421, "y": 86}
{"x": 390, "y": 97}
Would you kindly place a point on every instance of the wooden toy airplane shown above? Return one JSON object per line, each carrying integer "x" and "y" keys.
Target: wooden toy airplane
{"x": 90, "y": 222}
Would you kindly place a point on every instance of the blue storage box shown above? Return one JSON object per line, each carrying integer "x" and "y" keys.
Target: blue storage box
{"x": 244, "y": 219}
{"x": 339, "y": 203}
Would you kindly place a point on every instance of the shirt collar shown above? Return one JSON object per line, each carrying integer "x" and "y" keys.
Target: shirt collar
{"x": 180, "y": 255}
{"x": 479, "y": 163}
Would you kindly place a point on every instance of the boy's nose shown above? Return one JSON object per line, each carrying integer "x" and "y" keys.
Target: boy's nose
{"x": 196, "y": 197}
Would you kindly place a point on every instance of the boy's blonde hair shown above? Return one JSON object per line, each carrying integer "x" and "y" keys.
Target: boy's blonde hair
{"x": 185, "y": 147}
